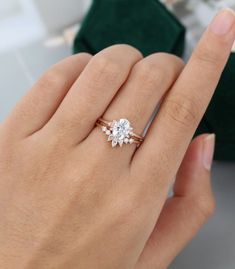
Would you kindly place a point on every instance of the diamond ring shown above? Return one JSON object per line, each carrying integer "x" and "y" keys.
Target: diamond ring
{"x": 119, "y": 132}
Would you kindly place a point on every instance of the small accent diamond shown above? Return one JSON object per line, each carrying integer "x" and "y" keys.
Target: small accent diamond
{"x": 110, "y": 138}
{"x": 114, "y": 143}
{"x": 120, "y": 143}
{"x": 108, "y": 132}
{"x": 104, "y": 129}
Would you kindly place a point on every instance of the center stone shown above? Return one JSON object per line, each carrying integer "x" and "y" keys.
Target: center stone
{"x": 119, "y": 132}
{"x": 121, "y": 129}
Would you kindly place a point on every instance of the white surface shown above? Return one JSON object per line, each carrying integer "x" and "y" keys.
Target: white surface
{"x": 8, "y": 7}
{"x": 20, "y": 25}
{"x": 26, "y": 21}
{"x": 57, "y": 15}
{"x": 20, "y": 68}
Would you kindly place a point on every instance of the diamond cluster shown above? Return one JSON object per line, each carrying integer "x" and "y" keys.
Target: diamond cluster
{"x": 119, "y": 132}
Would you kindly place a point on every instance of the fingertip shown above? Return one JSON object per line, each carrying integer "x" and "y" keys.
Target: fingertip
{"x": 208, "y": 151}
{"x": 194, "y": 172}
{"x": 192, "y": 158}
{"x": 223, "y": 22}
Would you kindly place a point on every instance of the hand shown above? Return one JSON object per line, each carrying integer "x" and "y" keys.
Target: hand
{"x": 70, "y": 200}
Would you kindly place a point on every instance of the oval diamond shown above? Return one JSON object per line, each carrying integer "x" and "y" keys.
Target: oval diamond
{"x": 119, "y": 132}
{"x": 121, "y": 129}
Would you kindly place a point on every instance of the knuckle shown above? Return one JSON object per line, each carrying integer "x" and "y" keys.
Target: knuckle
{"x": 84, "y": 55}
{"x": 52, "y": 79}
{"x": 177, "y": 64}
{"x": 182, "y": 110}
{"x": 153, "y": 69}
{"x": 150, "y": 73}
{"x": 169, "y": 64}
{"x": 123, "y": 49}
{"x": 105, "y": 67}
{"x": 207, "y": 56}
{"x": 205, "y": 206}
{"x": 83, "y": 58}
{"x": 170, "y": 58}
{"x": 129, "y": 48}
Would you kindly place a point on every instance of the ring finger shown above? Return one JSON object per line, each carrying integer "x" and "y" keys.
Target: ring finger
{"x": 138, "y": 98}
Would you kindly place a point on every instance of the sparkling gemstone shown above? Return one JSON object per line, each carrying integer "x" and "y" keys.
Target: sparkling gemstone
{"x": 120, "y": 142}
{"x": 108, "y": 132}
{"x": 119, "y": 132}
{"x": 121, "y": 129}
{"x": 110, "y": 138}
{"x": 104, "y": 129}
{"x": 114, "y": 143}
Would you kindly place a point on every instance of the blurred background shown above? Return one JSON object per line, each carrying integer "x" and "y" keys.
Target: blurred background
{"x": 34, "y": 34}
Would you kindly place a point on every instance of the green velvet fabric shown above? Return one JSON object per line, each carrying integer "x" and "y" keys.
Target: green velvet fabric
{"x": 144, "y": 24}
{"x": 220, "y": 115}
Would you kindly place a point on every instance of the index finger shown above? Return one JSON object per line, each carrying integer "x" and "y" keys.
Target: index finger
{"x": 179, "y": 115}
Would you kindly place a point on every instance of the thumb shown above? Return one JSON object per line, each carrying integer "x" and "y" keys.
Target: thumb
{"x": 184, "y": 213}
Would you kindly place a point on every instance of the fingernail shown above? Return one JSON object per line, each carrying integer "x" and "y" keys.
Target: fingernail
{"x": 233, "y": 48}
{"x": 223, "y": 22}
{"x": 208, "y": 151}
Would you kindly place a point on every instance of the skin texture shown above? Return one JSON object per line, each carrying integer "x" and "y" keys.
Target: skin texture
{"x": 69, "y": 200}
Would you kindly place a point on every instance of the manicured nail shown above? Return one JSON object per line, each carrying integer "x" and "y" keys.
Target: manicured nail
{"x": 233, "y": 48}
{"x": 208, "y": 151}
{"x": 223, "y": 22}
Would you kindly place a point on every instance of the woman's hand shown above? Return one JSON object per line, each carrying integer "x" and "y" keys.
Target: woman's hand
{"x": 70, "y": 200}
